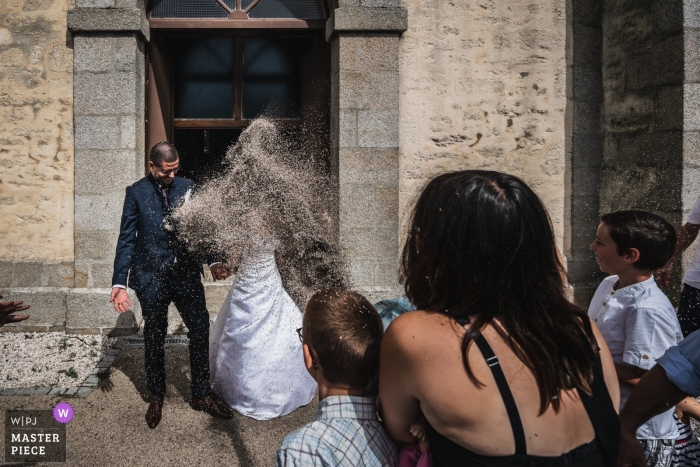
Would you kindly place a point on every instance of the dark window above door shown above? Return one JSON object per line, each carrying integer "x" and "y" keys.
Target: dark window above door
{"x": 271, "y": 77}
{"x": 223, "y": 82}
{"x": 204, "y": 77}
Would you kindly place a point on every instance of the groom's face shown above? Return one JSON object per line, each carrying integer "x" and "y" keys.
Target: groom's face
{"x": 165, "y": 172}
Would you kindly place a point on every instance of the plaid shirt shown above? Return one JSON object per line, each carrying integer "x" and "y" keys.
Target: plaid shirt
{"x": 344, "y": 432}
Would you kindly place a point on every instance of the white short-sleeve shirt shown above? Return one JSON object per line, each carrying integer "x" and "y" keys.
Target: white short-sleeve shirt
{"x": 692, "y": 274}
{"x": 639, "y": 324}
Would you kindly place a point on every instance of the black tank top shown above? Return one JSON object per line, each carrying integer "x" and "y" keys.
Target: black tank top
{"x": 602, "y": 451}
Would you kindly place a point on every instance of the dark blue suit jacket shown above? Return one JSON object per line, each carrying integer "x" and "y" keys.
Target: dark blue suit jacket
{"x": 145, "y": 247}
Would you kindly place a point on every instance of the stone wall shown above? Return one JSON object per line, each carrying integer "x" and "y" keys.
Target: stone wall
{"x": 103, "y": 92}
{"x": 365, "y": 139}
{"x": 691, "y": 111}
{"x": 649, "y": 112}
{"x": 643, "y": 73}
{"x": 36, "y": 144}
{"x": 483, "y": 86}
{"x": 109, "y": 63}
{"x": 109, "y": 135}
{"x": 585, "y": 144}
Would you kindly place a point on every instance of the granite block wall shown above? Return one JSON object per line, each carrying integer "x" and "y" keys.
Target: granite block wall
{"x": 650, "y": 109}
{"x": 585, "y": 145}
{"x": 689, "y": 14}
{"x": 109, "y": 74}
{"x": 365, "y": 139}
{"x": 643, "y": 79}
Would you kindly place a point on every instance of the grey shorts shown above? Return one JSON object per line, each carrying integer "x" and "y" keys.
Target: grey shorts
{"x": 659, "y": 452}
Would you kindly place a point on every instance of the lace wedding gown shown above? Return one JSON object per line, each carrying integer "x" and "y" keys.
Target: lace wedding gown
{"x": 255, "y": 356}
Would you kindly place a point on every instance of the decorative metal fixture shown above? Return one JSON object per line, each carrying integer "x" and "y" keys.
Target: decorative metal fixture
{"x": 239, "y": 9}
{"x": 238, "y": 13}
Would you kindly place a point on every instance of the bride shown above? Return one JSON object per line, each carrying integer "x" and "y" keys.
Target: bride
{"x": 255, "y": 354}
{"x": 267, "y": 209}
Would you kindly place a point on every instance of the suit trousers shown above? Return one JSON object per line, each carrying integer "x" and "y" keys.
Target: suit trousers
{"x": 182, "y": 285}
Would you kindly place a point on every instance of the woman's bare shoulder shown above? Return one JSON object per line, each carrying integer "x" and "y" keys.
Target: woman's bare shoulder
{"x": 416, "y": 328}
{"x": 418, "y": 319}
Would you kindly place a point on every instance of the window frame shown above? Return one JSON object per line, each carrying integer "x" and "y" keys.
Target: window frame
{"x": 237, "y": 121}
{"x": 159, "y": 112}
{"x": 238, "y": 19}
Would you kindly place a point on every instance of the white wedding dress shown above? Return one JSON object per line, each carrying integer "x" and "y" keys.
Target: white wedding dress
{"x": 255, "y": 356}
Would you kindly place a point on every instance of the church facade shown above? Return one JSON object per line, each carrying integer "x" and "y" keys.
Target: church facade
{"x": 594, "y": 103}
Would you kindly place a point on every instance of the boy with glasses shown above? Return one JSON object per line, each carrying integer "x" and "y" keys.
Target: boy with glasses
{"x": 341, "y": 334}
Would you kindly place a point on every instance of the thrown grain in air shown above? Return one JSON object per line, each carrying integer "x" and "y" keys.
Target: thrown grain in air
{"x": 268, "y": 187}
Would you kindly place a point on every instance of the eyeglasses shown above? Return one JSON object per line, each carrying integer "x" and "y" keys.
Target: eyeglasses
{"x": 301, "y": 338}
{"x": 171, "y": 171}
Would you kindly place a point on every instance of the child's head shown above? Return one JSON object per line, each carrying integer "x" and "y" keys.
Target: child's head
{"x": 633, "y": 239}
{"x": 343, "y": 332}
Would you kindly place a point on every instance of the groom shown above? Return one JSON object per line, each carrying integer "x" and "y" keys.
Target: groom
{"x": 160, "y": 271}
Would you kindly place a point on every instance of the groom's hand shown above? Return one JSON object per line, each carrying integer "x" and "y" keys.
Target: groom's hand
{"x": 120, "y": 299}
{"x": 220, "y": 271}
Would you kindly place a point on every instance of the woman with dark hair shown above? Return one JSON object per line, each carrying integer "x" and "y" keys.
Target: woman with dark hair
{"x": 539, "y": 387}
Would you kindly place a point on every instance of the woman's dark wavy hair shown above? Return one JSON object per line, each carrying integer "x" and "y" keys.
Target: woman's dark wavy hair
{"x": 481, "y": 243}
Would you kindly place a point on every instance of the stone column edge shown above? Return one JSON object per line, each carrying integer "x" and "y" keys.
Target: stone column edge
{"x": 365, "y": 19}
{"x": 109, "y": 20}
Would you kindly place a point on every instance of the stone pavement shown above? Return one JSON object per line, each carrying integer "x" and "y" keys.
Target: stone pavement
{"x": 109, "y": 426}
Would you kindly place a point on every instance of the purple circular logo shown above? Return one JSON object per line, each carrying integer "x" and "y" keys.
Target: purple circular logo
{"x": 63, "y": 412}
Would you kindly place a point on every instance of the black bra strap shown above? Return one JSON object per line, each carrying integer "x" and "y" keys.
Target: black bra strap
{"x": 512, "y": 409}
{"x": 463, "y": 320}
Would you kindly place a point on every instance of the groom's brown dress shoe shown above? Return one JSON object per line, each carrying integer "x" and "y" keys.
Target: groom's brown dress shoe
{"x": 213, "y": 406}
{"x": 154, "y": 412}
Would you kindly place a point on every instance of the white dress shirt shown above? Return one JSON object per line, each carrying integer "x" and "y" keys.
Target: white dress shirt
{"x": 692, "y": 274}
{"x": 639, "y": 324}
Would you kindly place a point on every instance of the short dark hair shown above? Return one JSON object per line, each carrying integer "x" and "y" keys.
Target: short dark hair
{"x": 652, "y": 235}
{"x": 344, "y": 331}
{"x": 163, "y": 152}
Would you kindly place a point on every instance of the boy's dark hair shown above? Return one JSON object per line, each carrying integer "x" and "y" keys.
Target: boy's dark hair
{"x": 650, "y": 234}
{"x": 344, "y": 331}
{"x": 163, "y": 152}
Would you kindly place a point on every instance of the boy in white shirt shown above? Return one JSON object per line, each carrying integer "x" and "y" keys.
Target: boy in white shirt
{"x": 634, "y": 316}
{"x": 689, "y": 306}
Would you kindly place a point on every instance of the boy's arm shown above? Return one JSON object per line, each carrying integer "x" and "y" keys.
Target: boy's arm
{"x": 654, "y": 395}
{"x": 690, "y": 406}
{"x": 686, "y": 236}
{"x": 629, "y": 375}
{"x": 649, "y": 333}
